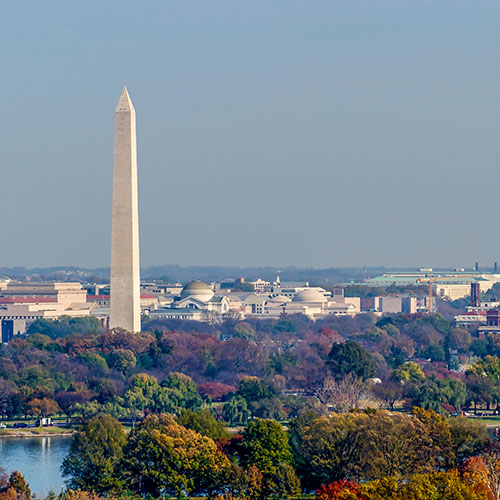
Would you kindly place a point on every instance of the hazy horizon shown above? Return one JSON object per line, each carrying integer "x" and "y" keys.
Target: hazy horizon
{"x": 273, "y": 133}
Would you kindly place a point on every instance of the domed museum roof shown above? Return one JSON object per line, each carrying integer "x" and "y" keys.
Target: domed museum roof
{"x": 310, "y": 296}
{"x": 279, "y": 299}
{"x": 197, "y": 290}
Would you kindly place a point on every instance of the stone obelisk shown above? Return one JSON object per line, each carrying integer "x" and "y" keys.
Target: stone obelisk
{"x": 125, "y": 278}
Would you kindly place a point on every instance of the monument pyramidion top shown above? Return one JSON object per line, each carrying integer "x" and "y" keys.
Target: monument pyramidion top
{"x": 124, "y": 103}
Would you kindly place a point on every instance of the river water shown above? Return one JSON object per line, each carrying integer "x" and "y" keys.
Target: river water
{"x": 39, "y": 460}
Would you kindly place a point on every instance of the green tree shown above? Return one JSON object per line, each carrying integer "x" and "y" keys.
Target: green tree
{"x": 236, "y": 411}
{"x": 479, "y": 347}
{"x": 95, "y": 361}
{"x": 350, "y": 357}
{"x": 468, "y": 436}
{"x": 146, "y": 394}
{"x": 65, "y": 326}
{"x": 269, "y": 408}
{"x": 40, "y": 341}
{"x": 489, "y": 367}
{"x": 265, "y": 446}
{"x": 316, "y": 443}
{"x": 458, "y": 395}
{"x": 435, "y": 352}
{"x": 391, "y": 330}
{"x": 38, "y": 378}
{"x": 203, "y": 422}
{"x": 284, "y": 483}
{"x": 279, "y": 361}
{"x": 185, "y": 389}
{"x": 243, "y": 330}
{"x": 284, "y": 325}
{"x": 143, "y": 392}
{"x": 122, "y": 360}
{"x": 433, "y": 392}
{"x": 409, "y": 372}
{"x": 480, "y": 390}
{"x": 94, "y": 453}
{"x": 254, "y": 389}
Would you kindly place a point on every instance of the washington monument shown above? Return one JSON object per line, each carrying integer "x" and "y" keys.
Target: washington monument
{"x": 125, "y": 280}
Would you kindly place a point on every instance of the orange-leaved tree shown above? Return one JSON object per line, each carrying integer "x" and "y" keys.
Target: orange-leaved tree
{"x": 338, "y": 490}
{"x": 484, "y": 472}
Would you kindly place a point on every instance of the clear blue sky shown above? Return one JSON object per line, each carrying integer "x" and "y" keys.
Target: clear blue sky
{"x": 279, "y": 132}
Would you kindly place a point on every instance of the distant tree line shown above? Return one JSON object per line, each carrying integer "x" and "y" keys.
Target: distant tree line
{"x": 291, "y": 365}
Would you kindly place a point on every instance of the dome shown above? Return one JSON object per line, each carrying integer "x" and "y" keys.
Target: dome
{"x": 310, "y": 295}
{"x": 197, "y": 290}
{"x": 279, "y": 299}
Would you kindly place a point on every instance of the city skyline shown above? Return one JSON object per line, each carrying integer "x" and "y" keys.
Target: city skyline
{"x": 280, "y": 134}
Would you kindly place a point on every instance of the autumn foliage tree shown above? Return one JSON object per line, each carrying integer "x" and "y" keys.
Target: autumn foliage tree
{"x": 363, "y": 446}
{"x": 337, "y": 490}
{"x": 484, "y": 472}
{"x": 44, "y": 407}
{"x": 434, "y": 486}
{"x": 164, "y": 458}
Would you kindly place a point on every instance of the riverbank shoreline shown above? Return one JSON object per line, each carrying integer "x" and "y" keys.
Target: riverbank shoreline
{"x": 18, "y": 433}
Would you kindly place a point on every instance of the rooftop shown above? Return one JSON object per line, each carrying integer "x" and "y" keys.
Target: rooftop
{"x": 25, "y": 300}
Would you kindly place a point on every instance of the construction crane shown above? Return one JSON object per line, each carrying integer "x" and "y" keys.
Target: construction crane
{"x": 431, "y": 279}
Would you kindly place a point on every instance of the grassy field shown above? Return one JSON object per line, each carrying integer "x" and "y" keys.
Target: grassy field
{"x": 37, "y": 431}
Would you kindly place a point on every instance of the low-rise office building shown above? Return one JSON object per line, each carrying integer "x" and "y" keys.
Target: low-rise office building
{"x": 23, "y": 303}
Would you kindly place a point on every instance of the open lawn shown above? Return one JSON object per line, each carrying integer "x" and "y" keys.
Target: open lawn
{"x": 36, "y": 431}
